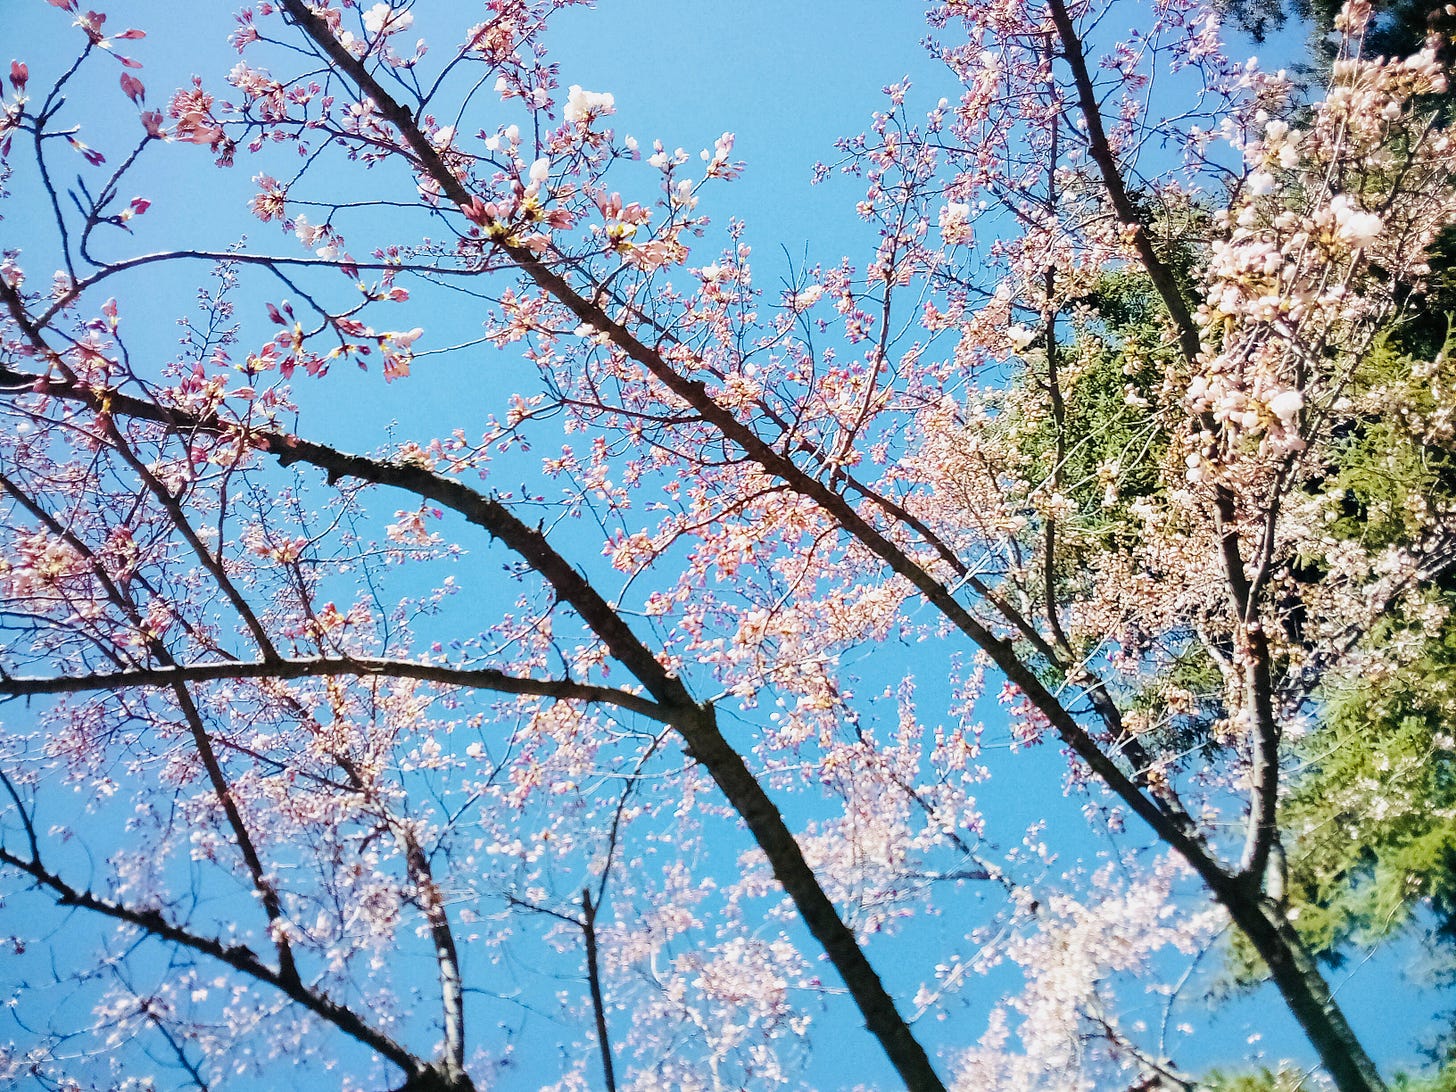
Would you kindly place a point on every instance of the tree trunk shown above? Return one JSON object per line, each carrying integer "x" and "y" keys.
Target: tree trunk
{"x": 1303, "y": 988}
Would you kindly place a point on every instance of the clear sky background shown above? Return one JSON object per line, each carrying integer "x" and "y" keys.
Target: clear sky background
{"x": 787, "y": 78}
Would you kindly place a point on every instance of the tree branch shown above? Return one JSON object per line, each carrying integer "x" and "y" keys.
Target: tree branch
{"x": 239, "y": 957}
{"x": 1100, "y": 149}
{"x": 594, "y": 982}
{"x": 326, "y": 667}
{"x": 447, "y": 956}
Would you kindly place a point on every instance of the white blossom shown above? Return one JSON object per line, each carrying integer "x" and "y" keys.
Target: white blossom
{"x": 1354, "y": 227}
{"x": 383, "y": 19}
{"x": 1020, "y": 336}
{"x": 582, "y": 106}
{"x": 1286, "y": 405}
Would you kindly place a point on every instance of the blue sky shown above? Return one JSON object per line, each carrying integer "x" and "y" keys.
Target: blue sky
{"x": 786, "y": 78}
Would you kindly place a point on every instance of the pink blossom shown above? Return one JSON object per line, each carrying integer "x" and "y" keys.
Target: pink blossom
{"x": 132, "y": 87}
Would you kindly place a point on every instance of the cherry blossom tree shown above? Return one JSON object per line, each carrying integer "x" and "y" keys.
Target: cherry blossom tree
{"x": 357, "y": 738}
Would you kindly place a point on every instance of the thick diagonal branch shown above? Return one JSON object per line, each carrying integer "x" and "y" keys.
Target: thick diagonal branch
{"x": 1163, "y": 814}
